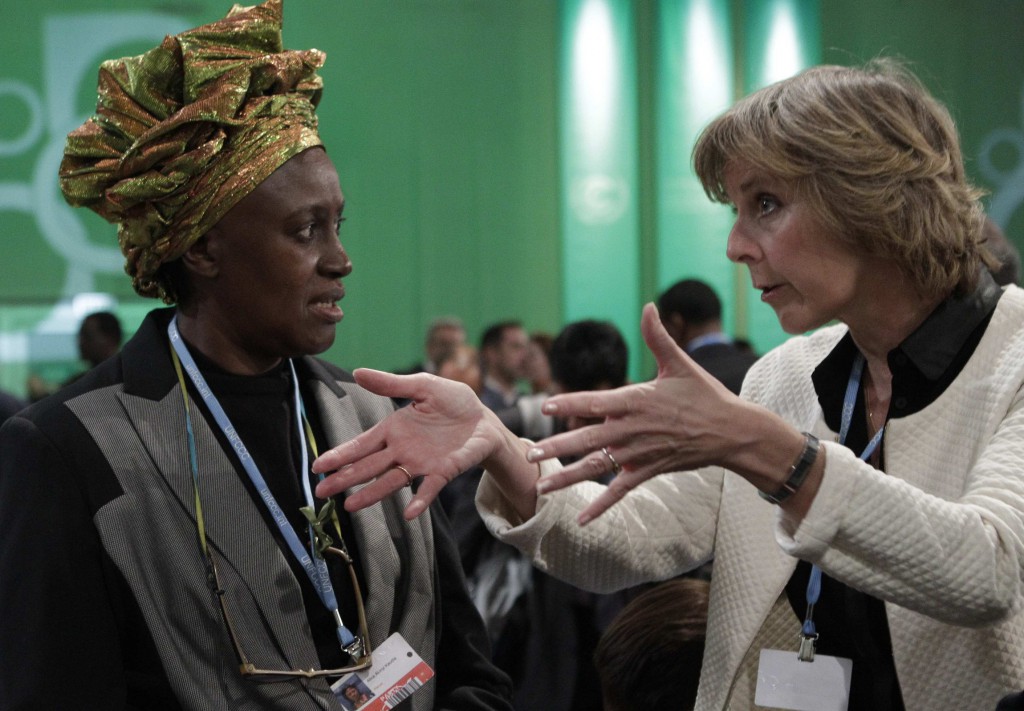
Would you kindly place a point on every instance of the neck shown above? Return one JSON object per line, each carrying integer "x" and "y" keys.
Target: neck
{"x": 694, "y": 331}
{"x": 886, "y": 310}
{"x": 885, "y": 321}
{"x": 216, "y": 344}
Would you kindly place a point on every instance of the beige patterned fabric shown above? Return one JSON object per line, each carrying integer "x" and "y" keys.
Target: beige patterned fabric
{"x": 940, "y": 538}
{"x": 781, "y": 630}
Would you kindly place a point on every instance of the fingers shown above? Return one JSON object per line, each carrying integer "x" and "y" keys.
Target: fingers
{"x": 595, "y": 404}
{"x": 595, "y": 466}
{"x": 591, "y": 467}
{"x": 365, "y": 468}
{"x": 390, "y": 482}
{"x": 568, "y": 444}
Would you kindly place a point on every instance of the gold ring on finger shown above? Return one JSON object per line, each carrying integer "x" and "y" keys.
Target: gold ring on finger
{"x": 405, "y": 471}
{"x": 616, "y": 467}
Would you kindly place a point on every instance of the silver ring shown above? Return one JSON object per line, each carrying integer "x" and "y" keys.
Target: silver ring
{"x": 616, "y": 467}
{"x": 407, "y": 474}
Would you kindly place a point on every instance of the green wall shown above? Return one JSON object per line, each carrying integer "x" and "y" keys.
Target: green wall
{"x": 443, "y": 119}
{"x": 440, "y": 116}
{"x": 971, "y": 55}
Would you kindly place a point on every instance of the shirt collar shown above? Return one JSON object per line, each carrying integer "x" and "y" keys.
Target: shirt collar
{"x": 924, "y": 363}
{"x": 706, "y": 340}
{"x": 937, "y": 341}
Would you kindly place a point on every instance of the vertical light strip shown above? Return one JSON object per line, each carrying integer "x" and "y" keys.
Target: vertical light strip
{"x": 599, "y": 172}
{"x": 782, "y": 37}
{"x": 694, "y": 84}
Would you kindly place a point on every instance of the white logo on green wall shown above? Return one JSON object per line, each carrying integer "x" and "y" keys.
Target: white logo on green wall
{"x": 43, "y": 236}
{"x": 1008, "y": 194}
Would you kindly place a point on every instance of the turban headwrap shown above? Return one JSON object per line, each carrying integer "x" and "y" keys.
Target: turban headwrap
{"x": 186, "y": 130}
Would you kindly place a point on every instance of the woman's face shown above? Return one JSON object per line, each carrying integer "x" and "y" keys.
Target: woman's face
{"x": 278, "y": 267}
{"x": 808, "y": 276}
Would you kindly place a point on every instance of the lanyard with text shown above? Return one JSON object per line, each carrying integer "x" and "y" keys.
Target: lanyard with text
{"x": 311, "y": 561}
{"x": 808, "y": 633}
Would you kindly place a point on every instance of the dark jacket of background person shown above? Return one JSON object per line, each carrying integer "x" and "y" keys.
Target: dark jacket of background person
{"x": 692, "y": 314}
{"x": 9, "y": 405}
{"x": 545, "y": 632}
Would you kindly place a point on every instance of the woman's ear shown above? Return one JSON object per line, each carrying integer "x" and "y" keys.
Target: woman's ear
{"x": 201, "y": 258}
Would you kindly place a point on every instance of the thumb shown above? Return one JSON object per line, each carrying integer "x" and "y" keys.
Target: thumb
{"x": 665, "y": 350}
{"x": 387, "y": 384}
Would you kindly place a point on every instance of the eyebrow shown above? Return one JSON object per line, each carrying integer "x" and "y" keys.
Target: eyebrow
{"x": 747, "y": 184}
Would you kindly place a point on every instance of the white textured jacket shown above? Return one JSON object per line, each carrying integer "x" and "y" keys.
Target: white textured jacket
{"x": 939, "y": 537}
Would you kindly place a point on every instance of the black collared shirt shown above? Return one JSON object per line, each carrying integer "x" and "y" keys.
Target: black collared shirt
{"x": 850, "y": 623}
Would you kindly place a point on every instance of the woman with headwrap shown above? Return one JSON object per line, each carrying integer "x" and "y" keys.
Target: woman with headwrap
{"x": 161, "y": 546}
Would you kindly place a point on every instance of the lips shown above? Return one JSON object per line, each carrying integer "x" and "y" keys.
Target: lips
{"x": 767, "y": 290}
{"x": 326, "y": 305}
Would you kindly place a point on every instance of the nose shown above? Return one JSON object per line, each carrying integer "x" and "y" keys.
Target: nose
{"x": 335, "y": 262}
{"x": 739, "y": 247}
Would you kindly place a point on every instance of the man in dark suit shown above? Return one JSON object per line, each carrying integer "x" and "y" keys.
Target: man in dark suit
{"x": 692, "y": 314}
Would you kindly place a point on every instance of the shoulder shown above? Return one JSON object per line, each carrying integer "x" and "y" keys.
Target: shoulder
{"x": 340, "y": 382}
{"x": 324, "y": 370}
{"x": 783, "y": 374}
{"x": 798, "y": 356}
{"x": 51, "y": 414}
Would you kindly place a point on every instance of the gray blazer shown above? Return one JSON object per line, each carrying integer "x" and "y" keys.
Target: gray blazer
{"x": 146, "y": 524}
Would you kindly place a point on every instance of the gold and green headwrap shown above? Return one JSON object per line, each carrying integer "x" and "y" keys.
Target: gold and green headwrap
{"x": 186, "y": 130}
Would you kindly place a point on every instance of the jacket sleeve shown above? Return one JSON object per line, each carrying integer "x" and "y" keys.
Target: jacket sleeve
{"x": 664, "y": 527}
{"x": 59, "y": 593}
{"x": 467, "y": 680}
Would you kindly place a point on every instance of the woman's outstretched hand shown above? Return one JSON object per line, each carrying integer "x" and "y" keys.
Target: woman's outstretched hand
{"x": 442, "y": 433}
{"x": 679, "y": 421}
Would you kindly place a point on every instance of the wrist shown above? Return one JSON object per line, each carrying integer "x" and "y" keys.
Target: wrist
{"x": 798, "y": 471}
{"x": 514, "y": 476}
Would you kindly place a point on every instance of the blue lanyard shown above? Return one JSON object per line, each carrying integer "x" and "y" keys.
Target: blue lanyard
{"x": 814, "y": 584}
{"x": 311, "y": 562}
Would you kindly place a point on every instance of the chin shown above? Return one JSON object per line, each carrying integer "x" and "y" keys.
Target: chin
{"x": 320, "y": 346}
{"x": 800, "y": 326}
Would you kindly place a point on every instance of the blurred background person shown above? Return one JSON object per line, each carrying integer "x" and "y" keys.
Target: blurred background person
{"x": 692, "y": 314}
{"x": 1005, "y": 251}
{"x": 651, "y": 654}
{"x": 504, "y": 347}
{"x": 99, "y": 337}
{"x": 543, "y": 630}
{"x": 461, "y": 364}
{"x": 538, "y": 366}
{"x": 444, "y": 335}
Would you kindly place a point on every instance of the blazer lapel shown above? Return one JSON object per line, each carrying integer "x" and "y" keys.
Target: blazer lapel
{"x": 246, "y": 551}
{"x": 376, "y": 548}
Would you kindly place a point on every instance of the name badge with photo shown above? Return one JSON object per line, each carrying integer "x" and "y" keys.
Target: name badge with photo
{"x": 396, "y": 673}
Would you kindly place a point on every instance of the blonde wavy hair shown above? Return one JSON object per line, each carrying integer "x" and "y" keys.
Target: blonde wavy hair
{"x": 876, "y": 157}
